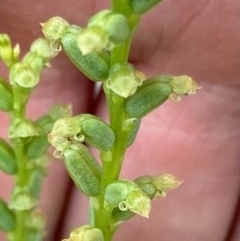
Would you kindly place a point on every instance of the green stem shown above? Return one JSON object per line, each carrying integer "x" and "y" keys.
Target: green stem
{"x": 120, "y": 53}
{"x": 22, "y": 177}
{"x": 20, "y": 230}
{"x": 112, "y": 160}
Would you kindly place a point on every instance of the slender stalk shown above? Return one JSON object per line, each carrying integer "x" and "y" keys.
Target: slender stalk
{"x": 22, "y": 176}
{"x": 112, "y": 160}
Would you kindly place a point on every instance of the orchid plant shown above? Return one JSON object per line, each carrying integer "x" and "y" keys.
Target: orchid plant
{"x": 100, "y": 50}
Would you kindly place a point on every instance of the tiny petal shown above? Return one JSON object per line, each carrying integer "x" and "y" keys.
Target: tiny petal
{"x": 165, "y": 182}
{"x": 66, "y": 127}
{"x": 54, "y": 28}
{"x": 184, "y": 85}
{"x": 138, "y": 202}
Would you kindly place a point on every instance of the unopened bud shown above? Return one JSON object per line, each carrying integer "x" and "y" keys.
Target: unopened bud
{"x": 43, "y": 48}
{"x": 24, "y": 75}
{"x": 158, "y": 185}
{"x": 65, "y": 132}
{"x": 115, "y": 24}
{"x": 7, "y": 54}
{"x": 165, "y": 182}
{"x": 22, "y": 200}
{"x": 86, "y": 233}
{"x": 123, "y": 80}
{"x": 183, "y": 85}
{"x": 54, "y": 28}
{"x": 34, "y": 60}
{"x": 127, "y": 196}
{"x": 23, "y": 129}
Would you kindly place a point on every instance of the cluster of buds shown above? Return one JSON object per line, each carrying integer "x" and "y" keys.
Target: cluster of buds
{"x": 26, "y": 73}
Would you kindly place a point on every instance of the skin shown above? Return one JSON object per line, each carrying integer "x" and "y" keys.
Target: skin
{"x": 197, "y": 139}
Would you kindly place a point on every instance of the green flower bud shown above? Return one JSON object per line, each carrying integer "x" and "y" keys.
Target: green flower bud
{"x": 98, "y": 18}
{"x": 43, "y": 49}
{"x": 7, "y": 218}
{"x": 66, "y": 131}
{"x": 60, "y": 143}
{"x": 142, "y": 6}
{"x": 22, "y": 200}
{"x": 34, "y": 226}
{"x": 54, "y": 28}
{"x": 145, "y": 182}
{"x": 165, "y": 182}
{"x": 158, "y": 185}
{"x": 127, "y": 196}
{"x": 183, "y": 85}
{"x": 117, "y": 191}
{"x": 94, "y": 65}
{"x": 96, "y": 132}
{"x": 24, "y": 75}
{"x": 8, "y": 161}
{"x": 72, "y": 130}
{"x": 7, "y": 54}
{"x": 35, "y": 61}
{"x": 92, "y": 39}
{"x": 6, "y": 100}
{"x": 86, "y": 233}
{"x": 24, "y": 129}
{"x": 115, "y": 24}
{"x": 123, "y": 80}
{"x": 35, "y": 221}
{"x": 151, "y": 94}
{"x": 66, "y": 127}
{"x": 83, "y": 169}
